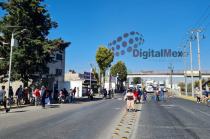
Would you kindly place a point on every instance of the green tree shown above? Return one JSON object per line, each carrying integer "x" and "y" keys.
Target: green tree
{"x": 95, "y": 74}
{"x": 120, "y": 70}
{"x": 136, "y": 80}
{"x": 182, "y": 86}
{"x": 104, "y": 58}
{"x": 35, "y": 49}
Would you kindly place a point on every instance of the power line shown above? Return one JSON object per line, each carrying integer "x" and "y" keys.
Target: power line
{"x": 205, "y": 15}
{"x": 202, "y": 18}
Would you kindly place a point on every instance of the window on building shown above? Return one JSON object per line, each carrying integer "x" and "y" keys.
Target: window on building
{"x": 58, "y": 71}
{"x": 58, "y": 56}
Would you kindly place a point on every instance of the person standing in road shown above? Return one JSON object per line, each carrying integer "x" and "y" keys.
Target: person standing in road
{"x": 129, "y": 97}
{"x": 140, "y": 94}
{"x": 3, "y": 98}
{"x": 144, "y": 94}
{"x": 157, "y": 93}
{"x": 162, "y": 94}
{"x": 136, "y": 96}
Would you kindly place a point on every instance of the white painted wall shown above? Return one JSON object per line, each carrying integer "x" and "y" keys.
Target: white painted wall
{"x": 107, "y": 86}
{"x": 78, "y": 85}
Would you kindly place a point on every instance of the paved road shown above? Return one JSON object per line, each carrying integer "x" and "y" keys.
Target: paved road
{"x": 86, "y": 121}
{"x": 174, "y": 119}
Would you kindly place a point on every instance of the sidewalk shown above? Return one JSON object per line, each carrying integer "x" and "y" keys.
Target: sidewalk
{"x": 187, "y": 98}
{"x": 14, "y": 107}
{"x": 77, "y": 101}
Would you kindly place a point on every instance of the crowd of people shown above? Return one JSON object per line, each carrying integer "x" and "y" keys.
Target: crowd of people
{"x": 204, "y": 98}
{"x": 139, "y": 95}
{"x": 37, "y": 96}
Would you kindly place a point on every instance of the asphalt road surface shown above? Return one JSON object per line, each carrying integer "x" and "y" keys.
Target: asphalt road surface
{"x": 174, "y": 119}
{"x": 93, "y": 120}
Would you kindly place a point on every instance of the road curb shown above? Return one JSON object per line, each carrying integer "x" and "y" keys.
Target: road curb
{"x": 187, "y": 98}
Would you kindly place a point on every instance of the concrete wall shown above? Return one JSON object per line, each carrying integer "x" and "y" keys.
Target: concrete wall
{"x": 111, "y": 87}
{"x": 14, "y": 85}
{"x": 78, "y": 85}
{"x": 59, "y": 64}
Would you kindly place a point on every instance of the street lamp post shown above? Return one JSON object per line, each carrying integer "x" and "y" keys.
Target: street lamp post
{"x": 90, "y": 78}
{"x": 12, "y": 44}
{"x": 10, "y": 59}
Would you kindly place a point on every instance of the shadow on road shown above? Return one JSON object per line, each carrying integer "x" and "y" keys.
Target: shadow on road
{"x": 53, "y": 106}
{"x": 86, "y": 99}
{"x": 138, "y": 110}
{"x": 20, "y": 111}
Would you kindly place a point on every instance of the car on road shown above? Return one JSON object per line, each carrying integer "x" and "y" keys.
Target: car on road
{"x": 149, "y": 89}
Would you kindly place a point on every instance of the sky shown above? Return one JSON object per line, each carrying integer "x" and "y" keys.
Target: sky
{"x": 87, "y": 24}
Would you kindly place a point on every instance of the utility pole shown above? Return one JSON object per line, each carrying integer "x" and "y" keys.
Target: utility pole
{"x": 171, "y": 68}
{"x": 185, "y": 75}
{"x": 10, "y": 59}
{"x": 110, "y": 83}
{"x": 199, "y": 59}
{"x": 191, "y": 68}
{"x": 117, "y": 82}
{"x": 91, "y": 76}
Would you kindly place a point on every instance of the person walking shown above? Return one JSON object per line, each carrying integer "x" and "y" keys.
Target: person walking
{"x": 65, "y": 94}
{"x": 11, "y": 93}
{"x": 129, "y": 97}
{"x": 19, "y": 95}
{"x": 3, "y": 98}
{"x": 37, "y": 96}
{"x": 136, "y": 96}
{"x": 105, "y": 93}
{"x": 140, "y": 94}
{"x": 25, "y": 95}
{"x": 91, "y": 94}
{"x": 144, "y": 94}
{"x": 74, "y": 93}
{"x": 70, "y": 96}
{"x": 43, "y": 96}
{"x": 157, "y": 93}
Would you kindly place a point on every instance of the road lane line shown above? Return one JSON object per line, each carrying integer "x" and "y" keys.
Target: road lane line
{"x": 205, "y": 113}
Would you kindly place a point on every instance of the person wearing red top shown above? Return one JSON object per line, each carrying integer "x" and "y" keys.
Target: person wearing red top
{"x": 37, "y": 96}
{"x": 136, "y": 94}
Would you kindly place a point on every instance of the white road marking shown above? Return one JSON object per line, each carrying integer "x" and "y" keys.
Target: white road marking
{"x": 205, "y": 113}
